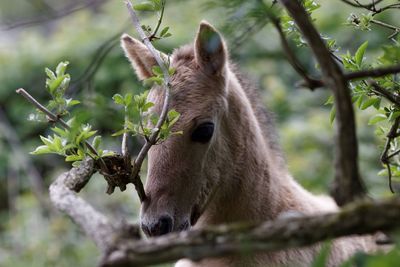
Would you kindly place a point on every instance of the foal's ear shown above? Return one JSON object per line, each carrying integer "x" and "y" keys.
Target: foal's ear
{"x": 140, "y": 57}
{"x": 210, "y": 51}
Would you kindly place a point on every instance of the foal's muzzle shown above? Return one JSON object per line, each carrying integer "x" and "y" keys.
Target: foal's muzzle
{"x": 162, "y": 226}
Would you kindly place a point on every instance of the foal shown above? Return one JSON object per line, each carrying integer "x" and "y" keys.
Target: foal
{"x": 226, "y": 166}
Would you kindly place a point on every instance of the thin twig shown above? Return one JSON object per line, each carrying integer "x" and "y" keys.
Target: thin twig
{"x": 308, "y": 81}
{"x": 153, "y": 137}
{"x": 385, "y": 93}
{"x": 377, "y": 72}
{"x": 54, "y": 118}
{"x": 384, "y": 157}
{"x": 385, "y": 25}
{"x": 153, "y": 35}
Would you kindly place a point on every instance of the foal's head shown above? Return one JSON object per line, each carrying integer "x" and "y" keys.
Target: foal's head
{"x": 185, "y": 171}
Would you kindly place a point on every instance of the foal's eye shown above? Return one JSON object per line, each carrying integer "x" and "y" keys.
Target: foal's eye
{"x": 203, "y": 132}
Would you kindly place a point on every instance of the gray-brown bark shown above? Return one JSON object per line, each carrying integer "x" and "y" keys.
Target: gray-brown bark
{"x": 121, "y": 246}
{"x": 347, "y": 185}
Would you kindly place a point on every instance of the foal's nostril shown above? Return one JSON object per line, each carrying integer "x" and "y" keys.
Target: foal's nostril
{"x": 162, "y": 227}
{"x": 165, "y": 225}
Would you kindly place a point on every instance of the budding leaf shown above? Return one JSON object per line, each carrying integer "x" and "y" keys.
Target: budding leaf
{"x": 359, "y": 55}
{"x": 61, "y": 67}
{"x": 164, "y": 31}
{"x": 118, "y": 99}
{"x": 145, "y": 6}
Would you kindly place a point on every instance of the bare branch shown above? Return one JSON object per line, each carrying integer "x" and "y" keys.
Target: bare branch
{"x": 347, "y": 185}
{"x": 121, "y": 246}
{"x": 385, "y": 158}
{"x": 94, "y": 224}
{"x": 377, "y": 72}
{"x": 153, "y": 137}
{"x": 385, "y": 93}
{"x": 282, "y": 233}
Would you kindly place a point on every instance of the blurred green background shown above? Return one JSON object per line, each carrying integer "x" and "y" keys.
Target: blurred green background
{"x": 35, "y": 34}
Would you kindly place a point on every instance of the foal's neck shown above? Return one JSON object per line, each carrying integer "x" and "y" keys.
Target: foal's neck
{"x": 257, "y": 187}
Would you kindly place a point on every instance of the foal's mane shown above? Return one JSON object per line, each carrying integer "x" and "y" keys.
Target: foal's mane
{"x": 184, "y": 56}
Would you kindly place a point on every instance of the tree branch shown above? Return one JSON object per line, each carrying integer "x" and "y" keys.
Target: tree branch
{"x": 153, "y": 137}
{"x": 377, "y": 72}
{"x": 282, "y": 233}
{"x": 385, "y": 158}
{"x": 154, "y": 34}
{"x": 385, "y": 93}
{"x": 53, "y": 117}
{"x": 309, "y": 82}
{"x": 62, "y": 194}
{"x": 95, "y": 225}
{"x": 120, "y": 244}
{"x": 347, "y": 185}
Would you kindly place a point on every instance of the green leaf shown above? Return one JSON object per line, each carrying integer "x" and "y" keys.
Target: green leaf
{"x": 329, "y": 101}
{"x": 157, "y": 70}
{"x": 60, "y": 132}
{"x": 50, "y": 74}
{"x": 120, "y": 132}
{"x": 47, "y": 141}
{"x": 171, "y": 71}
{"x": 145, "y": 6}
{"x": 360, "y": 53}
{"x": 96, "y": 142}
{"x": 118, "y": 99}
{"x": 158, "y": 4}
{"x": 150, "y": 81}
{"x": 57, "y": 143}
{"x": 376, "y": 118}
{"x": 147, "y": 106}
{"x": 369, "y": 102}
{"x": 360, "y": 101}
{"x": 394, "y": 115}
{"x": 54, "y": 84}
{"x": 72, "y": 102}
{"x": 73, "y": 158}
{"x": 61, "y": 67}
{"x": 173, "y": 114}
{"x": 164, "y": 31}
{"x": 41, "y": 150}
{"x": 108, "y": 153}
{"x": 128, "y": 99}
{"x": 173, "y": 117}
{"x": 177, "y": 133}
{"x": 332, "y": 115}
{"x": 167, "y": 35}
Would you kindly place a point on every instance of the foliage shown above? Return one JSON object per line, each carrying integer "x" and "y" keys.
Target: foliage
{"x": 71, "y": 141}
{"x": 138, "y": 107}
{"x": 301, "y": 117}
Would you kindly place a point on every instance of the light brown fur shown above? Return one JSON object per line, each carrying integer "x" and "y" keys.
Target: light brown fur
{"x": 240, "y": 174}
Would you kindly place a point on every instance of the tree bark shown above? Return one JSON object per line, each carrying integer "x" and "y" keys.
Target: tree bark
{"x": 347, "y": 185}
